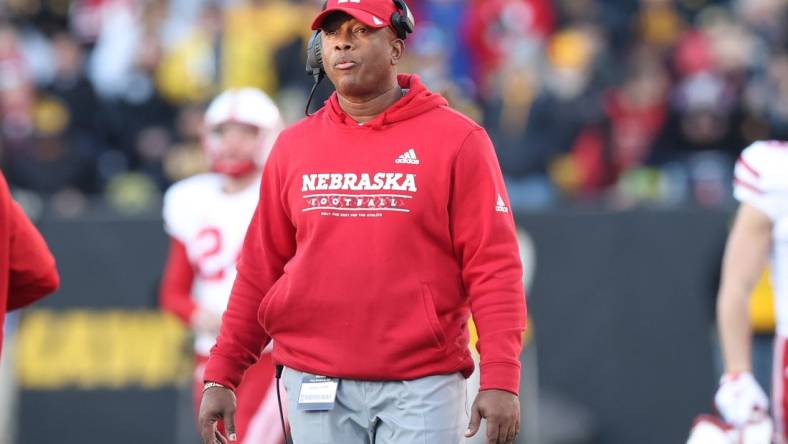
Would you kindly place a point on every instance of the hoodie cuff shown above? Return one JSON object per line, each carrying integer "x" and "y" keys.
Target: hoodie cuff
{"x": 500, "y": 376}
{"x": 224, "y": 371}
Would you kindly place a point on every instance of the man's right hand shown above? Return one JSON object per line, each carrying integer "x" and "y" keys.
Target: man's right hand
{"x": 218, "y": 403}
{"x": 740, "y": 399}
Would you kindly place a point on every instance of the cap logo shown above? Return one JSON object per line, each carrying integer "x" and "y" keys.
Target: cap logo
{"x": 377, "y": 20}
{"x": 339, "y": 2}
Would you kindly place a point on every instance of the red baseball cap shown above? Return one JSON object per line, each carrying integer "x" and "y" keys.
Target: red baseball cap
{"x": 373, "y": 13}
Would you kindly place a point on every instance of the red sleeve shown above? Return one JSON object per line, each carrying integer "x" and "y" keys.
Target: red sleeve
{"x": 33, "y": 273}
{"x": 269, "y": 244}
{"x": 176, "y": 285}
{"x": 485, "y": 242}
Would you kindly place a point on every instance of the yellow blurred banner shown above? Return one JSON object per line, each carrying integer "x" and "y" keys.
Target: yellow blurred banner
{"x": 762, "y": 306}
{"x": 110, "y": 349}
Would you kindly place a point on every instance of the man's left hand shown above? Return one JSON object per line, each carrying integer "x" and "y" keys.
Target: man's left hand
{"x": 501, "y": 409}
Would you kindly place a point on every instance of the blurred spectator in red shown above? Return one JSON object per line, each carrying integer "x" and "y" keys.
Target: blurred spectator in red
{"x": 497, "y": 30}
{"x": 637, "y": 112}
{"x": 622, "y": 137}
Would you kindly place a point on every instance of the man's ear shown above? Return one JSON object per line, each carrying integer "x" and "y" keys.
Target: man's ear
{"x": 397, "y": 50}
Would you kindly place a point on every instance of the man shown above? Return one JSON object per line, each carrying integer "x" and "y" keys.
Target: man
{"x": 383, "y": 224}
{"x": 759, "y": 232}
{"x": 27, "y": 267}
{"x": 206, "y": 217}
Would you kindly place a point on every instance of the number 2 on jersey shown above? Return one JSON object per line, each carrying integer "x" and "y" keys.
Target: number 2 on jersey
{"x": 210, "y": 239}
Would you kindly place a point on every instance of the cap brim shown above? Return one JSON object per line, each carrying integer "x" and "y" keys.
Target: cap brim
{"x": 364, "y": 17}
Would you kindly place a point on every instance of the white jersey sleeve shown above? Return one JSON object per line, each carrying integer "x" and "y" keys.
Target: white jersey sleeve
{"x": 760, "y": 177}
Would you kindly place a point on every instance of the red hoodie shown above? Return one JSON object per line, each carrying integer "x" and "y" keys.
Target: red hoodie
{"x": 27, "y": 268}
{"x": 371, "y": 246}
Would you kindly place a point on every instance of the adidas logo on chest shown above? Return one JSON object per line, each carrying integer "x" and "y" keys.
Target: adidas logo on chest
{"x": 408, "y": 157}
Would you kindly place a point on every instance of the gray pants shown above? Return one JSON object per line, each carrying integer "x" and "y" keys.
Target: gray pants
{"x": 429, "y": 410}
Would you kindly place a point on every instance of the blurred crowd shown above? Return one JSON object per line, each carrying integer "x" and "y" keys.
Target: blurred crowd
{"x": 622, "y": 102}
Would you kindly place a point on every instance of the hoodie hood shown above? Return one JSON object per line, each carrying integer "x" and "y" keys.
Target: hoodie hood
{"x": 418, "y": 100}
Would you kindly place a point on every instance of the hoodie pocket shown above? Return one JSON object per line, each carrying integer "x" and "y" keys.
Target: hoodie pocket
{"x": 432, "y": 315}
{"x": 266, "y": 307}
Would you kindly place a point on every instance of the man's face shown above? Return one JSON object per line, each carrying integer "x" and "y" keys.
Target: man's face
{"x": 359, "y": 60}
{"x": 237, "y": 141}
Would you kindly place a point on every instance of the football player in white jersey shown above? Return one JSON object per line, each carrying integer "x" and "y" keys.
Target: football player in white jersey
{"x": 206, "y": 217}
{"x": 759, "y": 235}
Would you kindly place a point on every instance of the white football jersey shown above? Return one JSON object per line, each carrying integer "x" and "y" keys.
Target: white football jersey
{"x": 212, "y": 225}
{"x": 761, "y": 180}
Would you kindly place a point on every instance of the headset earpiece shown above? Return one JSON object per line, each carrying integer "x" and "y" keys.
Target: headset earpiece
{"x": 314, "y": 64}
{"x": 402, "y": 20}
{"x": 314, "y": 52}
{"x": 314, "y": 55}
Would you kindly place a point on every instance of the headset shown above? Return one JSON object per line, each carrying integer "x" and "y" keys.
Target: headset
{"x": 401, "y": 20}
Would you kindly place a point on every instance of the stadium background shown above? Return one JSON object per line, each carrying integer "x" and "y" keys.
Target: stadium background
{"x": 616, "y": 122}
